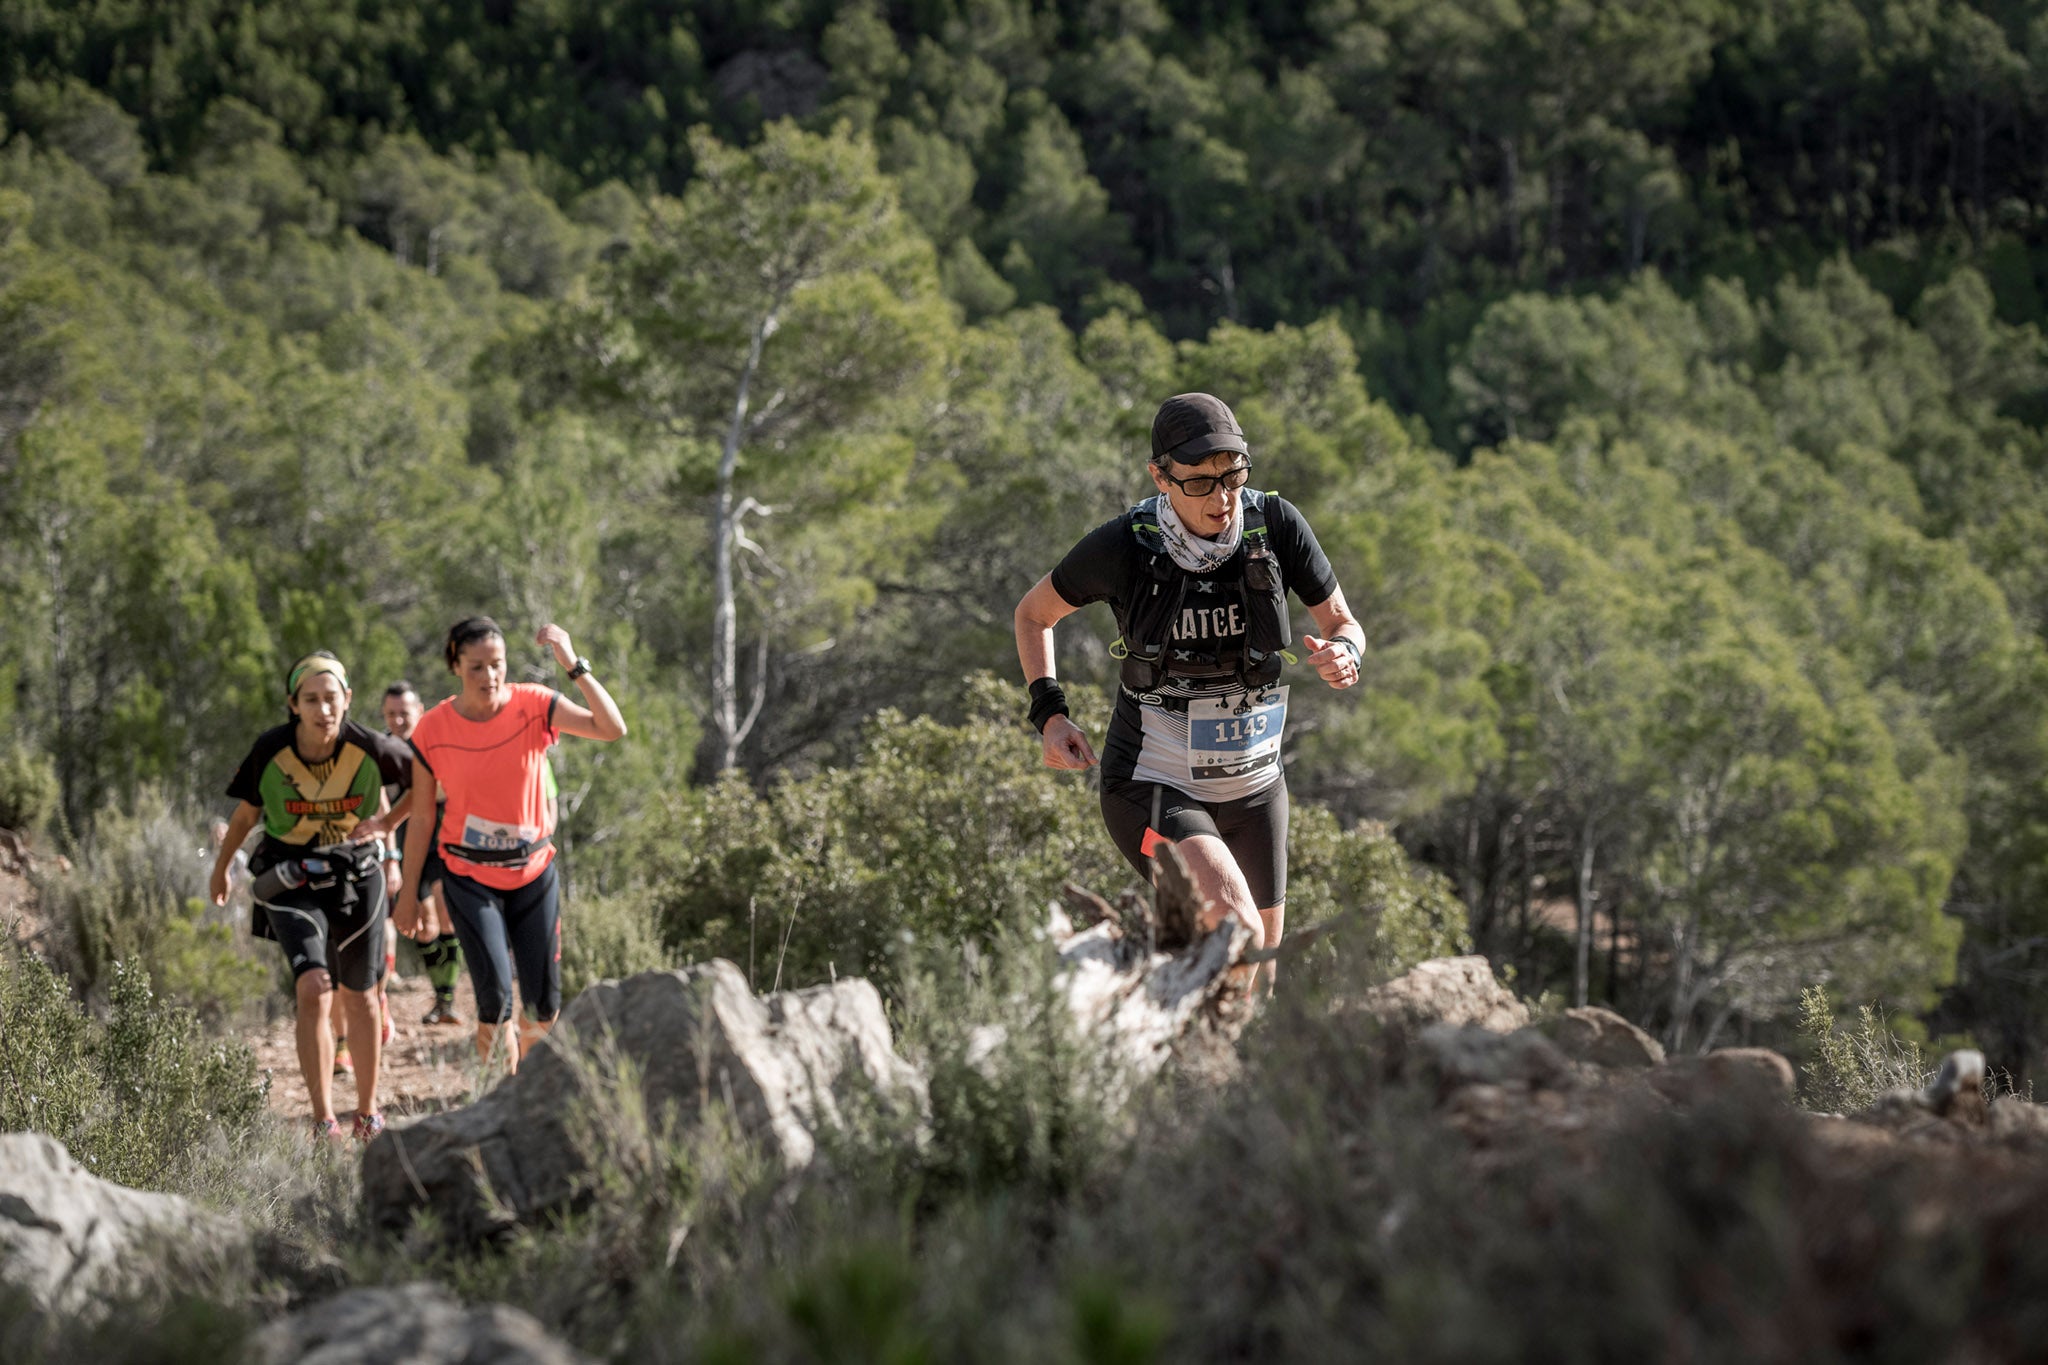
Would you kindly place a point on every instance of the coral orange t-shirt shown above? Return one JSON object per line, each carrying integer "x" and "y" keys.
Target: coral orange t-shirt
{"x": 494, "y": 773}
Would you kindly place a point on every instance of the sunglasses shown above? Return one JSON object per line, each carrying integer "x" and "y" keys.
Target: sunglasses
{"x": 1202, "y": 485}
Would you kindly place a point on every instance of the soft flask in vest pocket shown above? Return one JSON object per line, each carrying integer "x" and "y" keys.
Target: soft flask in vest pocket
{"x": 1267, "y": 630}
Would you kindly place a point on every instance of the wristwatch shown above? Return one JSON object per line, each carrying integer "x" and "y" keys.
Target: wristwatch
{"x": 582, "y": 667}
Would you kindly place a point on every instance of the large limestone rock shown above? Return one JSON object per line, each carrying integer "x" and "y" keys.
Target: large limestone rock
{"x": 781, "y": 1065}
{"x": 415, "y": 1324}
{"x": 1446, "y": 990}
{"x": 73, "y": 1240}
{"x": 1468, "y": 1054}
{"x": 1605, "y": 1039}
{"x": 1755, "y": 1073}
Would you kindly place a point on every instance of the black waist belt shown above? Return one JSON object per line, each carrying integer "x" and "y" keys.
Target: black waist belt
{"x": 1168, "y": 702}
{"x": 516, "y": 856}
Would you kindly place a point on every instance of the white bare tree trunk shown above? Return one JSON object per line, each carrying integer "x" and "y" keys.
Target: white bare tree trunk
{"x": 1582, "y": 954}
{"x": 726, "y": 512}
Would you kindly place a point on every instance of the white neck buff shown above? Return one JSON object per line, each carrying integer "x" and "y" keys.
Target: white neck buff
{"x": 1189, "y": 550}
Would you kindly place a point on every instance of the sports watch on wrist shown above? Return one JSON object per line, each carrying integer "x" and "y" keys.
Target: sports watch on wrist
{"x": 582, "y": 667}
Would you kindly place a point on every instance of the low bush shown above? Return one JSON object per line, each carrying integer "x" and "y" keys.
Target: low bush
{"x": 609, "y": 936}
{"x": 1848, "y": 1068}
{"x": 132, "y": 876}
{"x": 138, "y": 1097}
{"x": 136, "y": 893}
{"x": 29, "y": 790}
{"x": 214, "y": 966}
{"x": 937, "y": 833}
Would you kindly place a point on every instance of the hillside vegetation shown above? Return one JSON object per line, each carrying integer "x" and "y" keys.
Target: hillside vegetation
{"x": 1665, "y": 384}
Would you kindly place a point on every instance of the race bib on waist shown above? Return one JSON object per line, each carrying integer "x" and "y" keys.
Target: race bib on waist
{"x": 496, "y": 836}
{"x": 1231, "y": 738}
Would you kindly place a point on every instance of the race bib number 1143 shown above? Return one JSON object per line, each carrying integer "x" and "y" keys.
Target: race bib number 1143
{"x": 1226, "y": 742}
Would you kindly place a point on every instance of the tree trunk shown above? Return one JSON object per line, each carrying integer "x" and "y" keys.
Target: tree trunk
{"x": 1684, "y": 946}
{"x": 1981, "y": 133}
{"x": 725, "y": 710}
{"x": 1582, "y": 957}
{"x": 62, "y": 675}
{"x": 1614, "y": 954}
{"x": 1510, "y": 204}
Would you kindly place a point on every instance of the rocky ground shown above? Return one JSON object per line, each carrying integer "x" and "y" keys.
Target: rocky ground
{"x": 425, "y": 1070}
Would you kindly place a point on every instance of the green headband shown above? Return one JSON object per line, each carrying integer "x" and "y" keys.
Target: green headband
{"x": 314, "y": 664}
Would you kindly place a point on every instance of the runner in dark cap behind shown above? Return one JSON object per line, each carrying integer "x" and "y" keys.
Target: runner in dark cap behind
{"x": 1197, "y": 576}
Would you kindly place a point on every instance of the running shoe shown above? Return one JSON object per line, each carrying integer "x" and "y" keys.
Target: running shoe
{"x": 367, "y": 1126}
{"x": 442, "y": 1013}
{"x": 326, "y": 1130}
{"x": 344, "y": 1065}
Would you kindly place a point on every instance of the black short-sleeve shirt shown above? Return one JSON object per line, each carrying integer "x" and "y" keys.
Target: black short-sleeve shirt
{"x": 1149, "y": 741}
{"x": 1103, "y": 563}
{"x": 307, "y": 804}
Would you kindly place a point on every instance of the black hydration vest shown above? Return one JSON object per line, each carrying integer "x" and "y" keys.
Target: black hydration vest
{"x": 1159, "y": 591}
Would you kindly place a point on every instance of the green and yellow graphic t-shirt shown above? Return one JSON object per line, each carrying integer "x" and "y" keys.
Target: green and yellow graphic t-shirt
{"x": 305, "y": 803}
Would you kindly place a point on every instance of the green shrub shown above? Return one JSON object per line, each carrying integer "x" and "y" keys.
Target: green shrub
{"x": 935, "y": 833}
{"x": 1847, "y": 1069}
{"x": 132, "y": 879}
{"x": 29, "y": 790}
{"x": 609, "y": 936}
{"x": 133, "y": 1097}
{"x": 1407, "y": 913}
{"x": 1019, "y": 1100}
{"x": 216, "y": 968}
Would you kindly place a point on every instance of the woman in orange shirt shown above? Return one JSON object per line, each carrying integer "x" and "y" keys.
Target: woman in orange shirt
{"x": 487, "y": 749}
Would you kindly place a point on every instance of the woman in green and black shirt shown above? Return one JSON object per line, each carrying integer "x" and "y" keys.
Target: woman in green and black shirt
{"x": 318, "y": 781}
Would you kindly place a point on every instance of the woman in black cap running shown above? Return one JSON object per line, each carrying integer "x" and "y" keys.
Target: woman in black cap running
{"x": 1198, "y": 577}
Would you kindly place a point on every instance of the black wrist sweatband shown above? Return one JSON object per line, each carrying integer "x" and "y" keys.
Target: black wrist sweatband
{"x": 1048, "y": 699}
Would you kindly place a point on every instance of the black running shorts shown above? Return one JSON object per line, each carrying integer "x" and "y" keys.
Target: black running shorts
{"x": 1253, "y": 828}
{"x": 317, "y": 931}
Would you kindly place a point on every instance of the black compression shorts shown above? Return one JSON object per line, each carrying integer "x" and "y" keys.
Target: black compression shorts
{"x": 507, "y": 935}
{"x": 1253, "y": 828}
{"x": 316, "y": 931}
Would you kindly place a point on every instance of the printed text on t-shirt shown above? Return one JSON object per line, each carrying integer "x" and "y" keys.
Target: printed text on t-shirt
{"x": 1209, "y": 623}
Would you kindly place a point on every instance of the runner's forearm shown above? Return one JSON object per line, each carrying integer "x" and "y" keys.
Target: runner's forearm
{"x": 604, "y": 712}
{"x": 1037, "y": 613}
{"x": 239, "y": 824}
{"x": 419, "y": 830}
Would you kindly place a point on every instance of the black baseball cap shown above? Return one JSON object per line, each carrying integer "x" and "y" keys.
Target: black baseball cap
{"x": 1190, "y": 427}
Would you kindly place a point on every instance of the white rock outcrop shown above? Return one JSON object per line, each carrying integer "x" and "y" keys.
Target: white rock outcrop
{"x": 73, "y": 1241}
{"x": 414, "y": 1324}
{"x": 782, "y": 1066}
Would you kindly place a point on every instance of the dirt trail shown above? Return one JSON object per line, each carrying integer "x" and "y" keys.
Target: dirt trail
{"x": 425, "y": 1069}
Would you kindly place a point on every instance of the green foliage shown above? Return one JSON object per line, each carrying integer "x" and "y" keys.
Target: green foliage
{"x": 136, "y": 894}
{"x": 1849, "y": 1069}
{"x": 1020, "y": 1102}
{"x": 609, "y": 936}
{"x": 135, "y": 1098}
{"x": 934, "y": 834}
{"x": 1666, "y": 451}
{"x": 29, "y": 790}
{"x": 212, "y": 966}
{"x": 1409, "y": 915}
{"x": 137, "y": 887}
